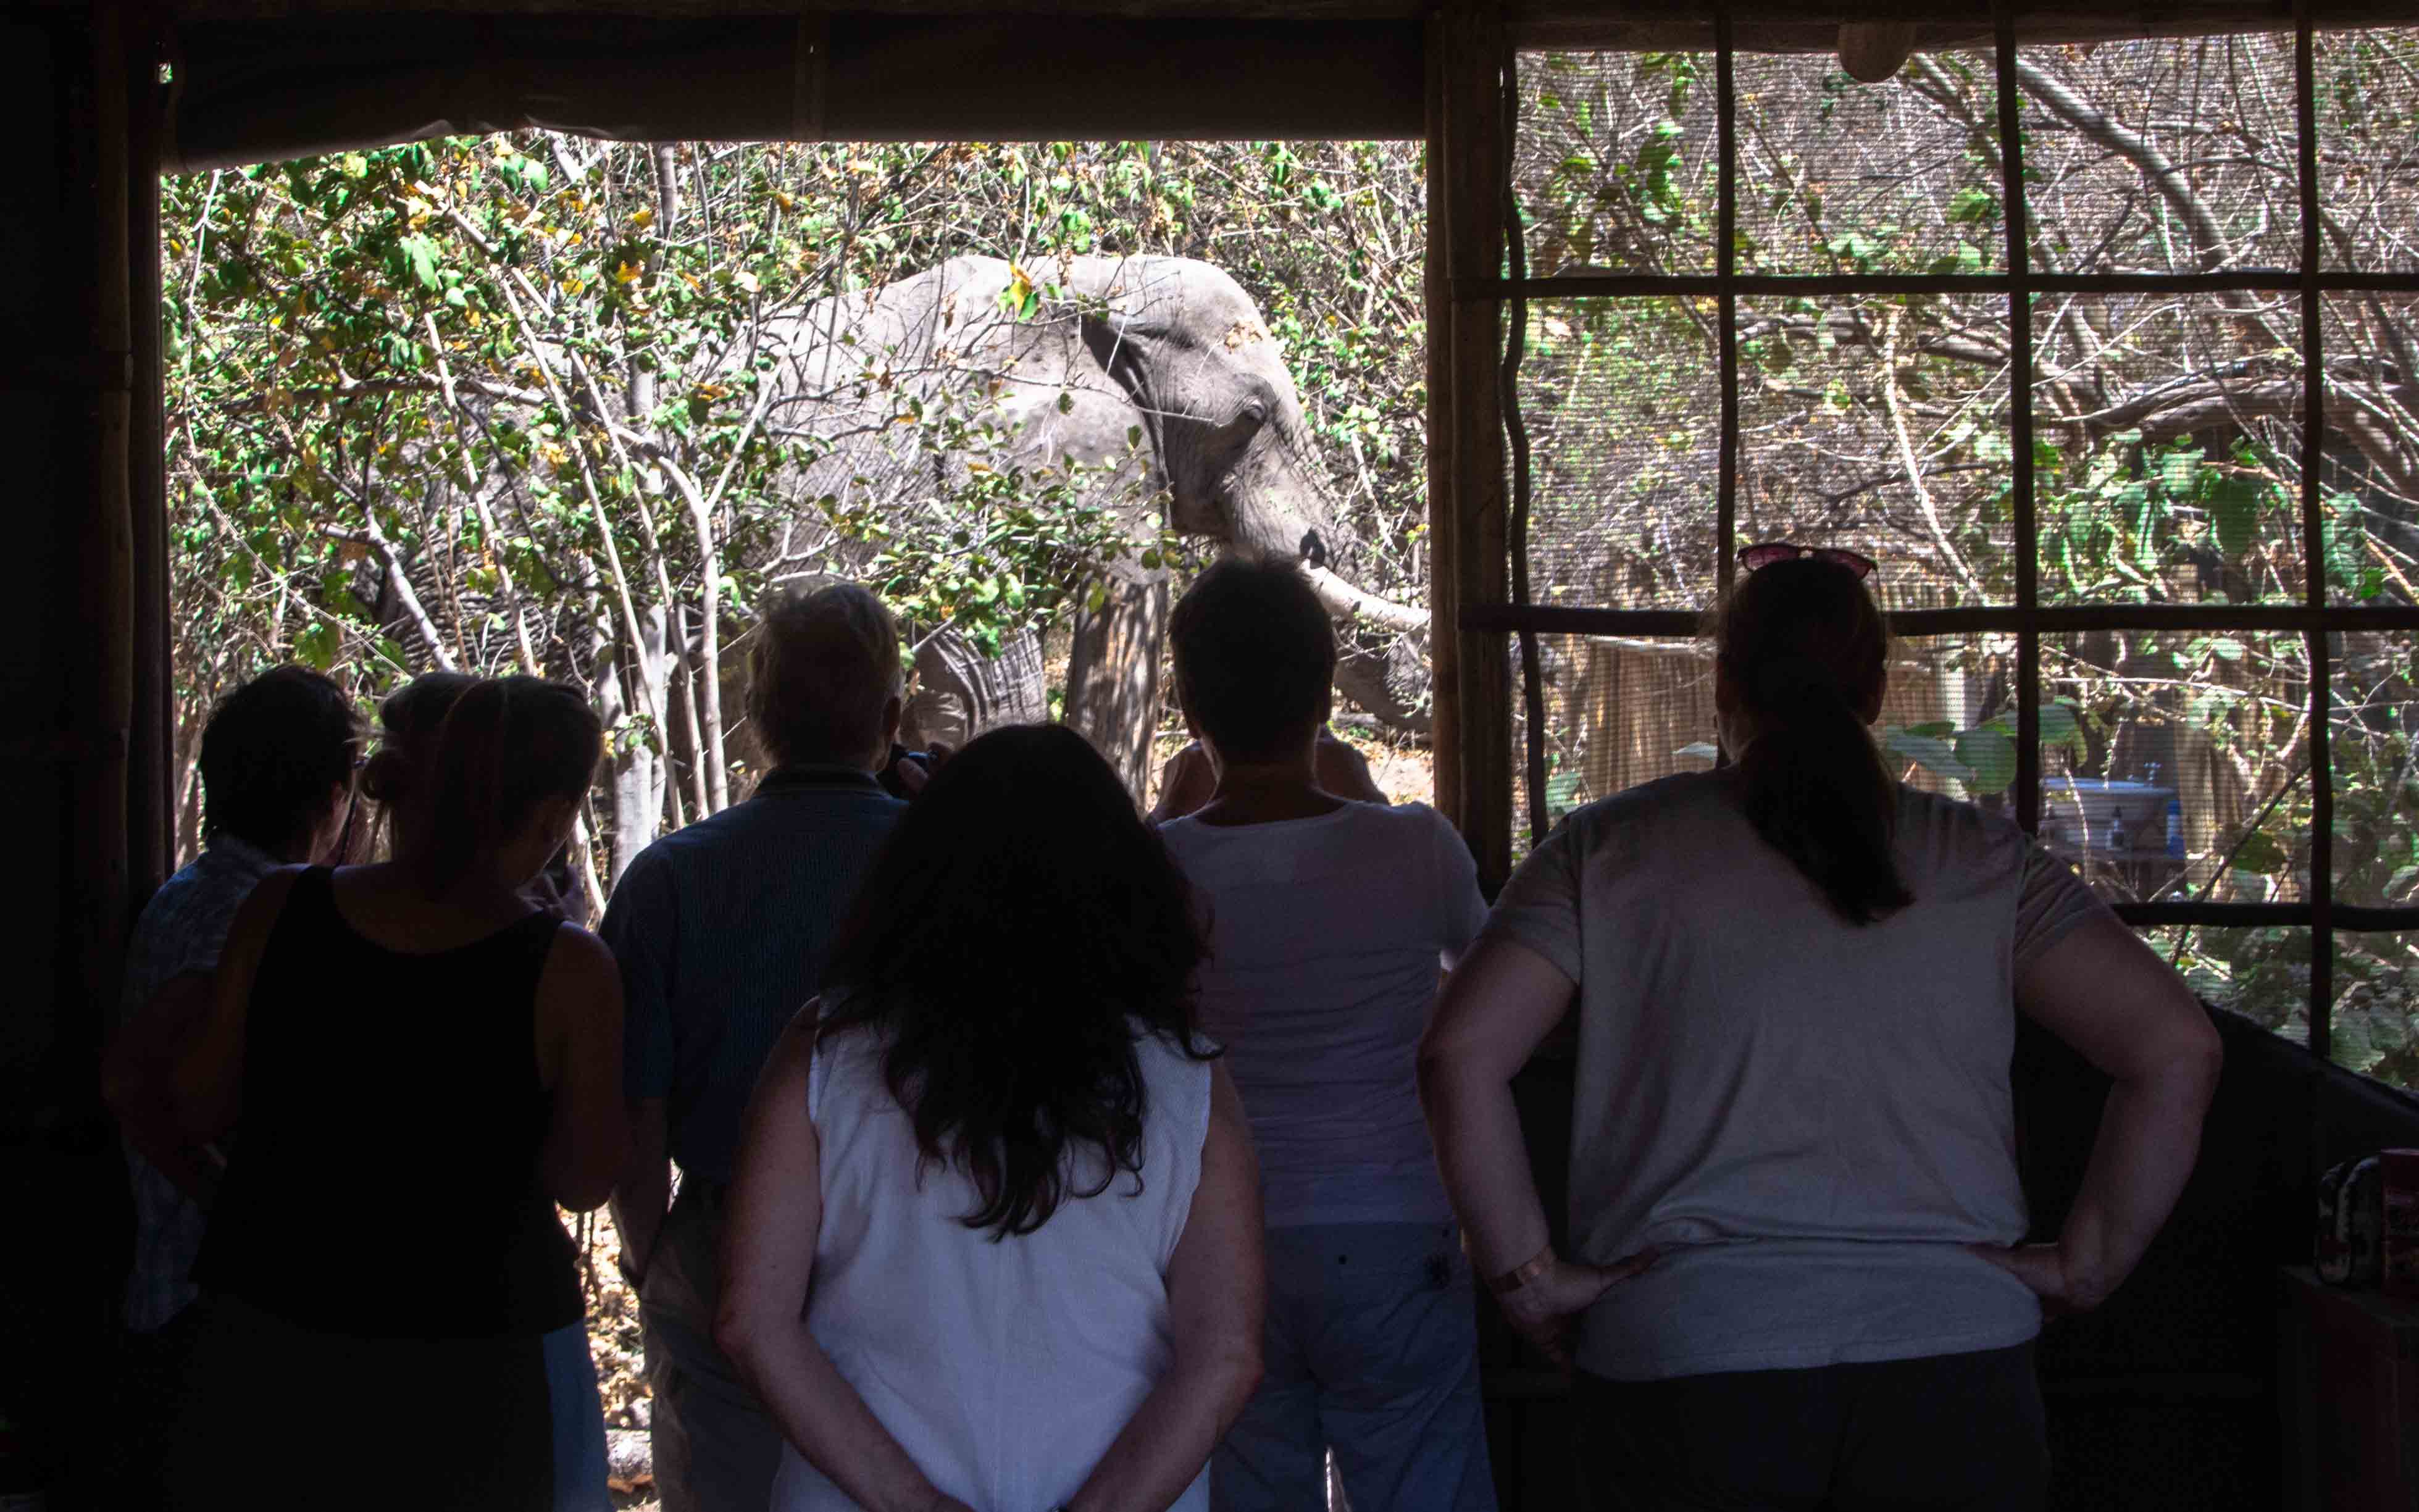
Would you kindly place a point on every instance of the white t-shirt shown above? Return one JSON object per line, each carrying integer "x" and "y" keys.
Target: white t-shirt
{"x": 1004, "y": 1368}
{"x": 1810, "y": 1120}
{"x": 1326, "y": 938}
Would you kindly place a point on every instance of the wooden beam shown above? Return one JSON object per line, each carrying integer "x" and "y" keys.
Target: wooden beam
{"x": 1467, "y": 507}
{"x": 1761, "y": 25}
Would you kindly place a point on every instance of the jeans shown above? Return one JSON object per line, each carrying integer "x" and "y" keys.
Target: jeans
{"x": 1370, "y": 1350}
{"x": 714, "y": 1450}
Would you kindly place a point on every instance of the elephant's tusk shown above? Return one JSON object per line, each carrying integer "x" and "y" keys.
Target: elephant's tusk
{"x": 1345, "y": 601}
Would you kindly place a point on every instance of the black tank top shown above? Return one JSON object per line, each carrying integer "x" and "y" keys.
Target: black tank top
{"x": 384, "y": 1178}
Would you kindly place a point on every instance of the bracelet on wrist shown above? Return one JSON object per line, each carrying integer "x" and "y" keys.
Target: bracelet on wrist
{"x": 1522, "y": 1273}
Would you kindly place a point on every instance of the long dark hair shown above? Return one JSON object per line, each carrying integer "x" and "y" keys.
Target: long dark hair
{"x": 1014, "y": 929}
{"x": 1804, "y": 646}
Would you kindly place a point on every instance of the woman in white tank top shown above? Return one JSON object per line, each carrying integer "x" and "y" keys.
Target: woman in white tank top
{"x": 995, "y": 1236}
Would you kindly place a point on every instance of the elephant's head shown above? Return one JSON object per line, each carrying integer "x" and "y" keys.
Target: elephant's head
{"x": 1188, "y": 345}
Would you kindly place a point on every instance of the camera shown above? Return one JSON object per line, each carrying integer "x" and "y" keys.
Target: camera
{"x": 900, "y": 755}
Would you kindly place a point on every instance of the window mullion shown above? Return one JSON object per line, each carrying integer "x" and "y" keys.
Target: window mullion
{"x": 2020, "y": 421}
{"x": 2320, "y": 886}
{"x": 1726, "y": 292}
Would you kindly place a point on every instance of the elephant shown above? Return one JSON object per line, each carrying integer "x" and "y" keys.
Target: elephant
{"x": 1159, "y": 379}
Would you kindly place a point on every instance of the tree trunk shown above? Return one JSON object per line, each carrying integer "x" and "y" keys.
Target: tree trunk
{"x": 1113, "y": 675}
{"x": 637, "y": 783}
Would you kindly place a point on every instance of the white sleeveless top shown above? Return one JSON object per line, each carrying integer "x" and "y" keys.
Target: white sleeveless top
{"x": 1004, "y": 1368}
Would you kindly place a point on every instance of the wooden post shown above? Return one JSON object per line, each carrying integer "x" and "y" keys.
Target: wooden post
{"x": 1466, "y": 501}
{"x": 101, "y": 704}
{"x": 151, "y": 756}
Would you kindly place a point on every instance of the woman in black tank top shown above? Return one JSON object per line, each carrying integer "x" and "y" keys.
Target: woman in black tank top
{"x": 412, "y": 1043}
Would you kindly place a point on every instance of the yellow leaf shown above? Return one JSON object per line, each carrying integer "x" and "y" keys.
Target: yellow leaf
{"x": 643, "y": 218}
{"x": 628, "y": 275}
{"x": 783, "y": 200}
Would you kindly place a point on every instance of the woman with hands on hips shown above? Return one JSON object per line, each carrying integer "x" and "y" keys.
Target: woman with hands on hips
{"x": 994, "y": 1239}
{"x": 1797, "y": 1275}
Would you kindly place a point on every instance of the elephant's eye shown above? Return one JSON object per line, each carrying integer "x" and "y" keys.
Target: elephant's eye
{"x": 1250, "y": 416}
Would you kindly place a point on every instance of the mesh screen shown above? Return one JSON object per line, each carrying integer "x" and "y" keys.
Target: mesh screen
{"x": 1623, "y": 710}
{"x": 2263, "y": 974}
{"x": 2368, "y": 148}
{"x": 2165, "y": 156}
{"x": 2368, "y": 478}
{"x": 2372, "y": 719}
{"x": 2175, "y": 766}
{"x": 2167, "y": 447}
{"x": 1618, "y": 712}
{"x": 2374, "y": 1027}
{"x": 1880, "y": 424}
{"x": 1837, "y": 176}
{"x": 1615, "y": 166}
{"x": 1623, "y": 403}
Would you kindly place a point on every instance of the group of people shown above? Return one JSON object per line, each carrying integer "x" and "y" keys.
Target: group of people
{"x": 998, "y": 1148}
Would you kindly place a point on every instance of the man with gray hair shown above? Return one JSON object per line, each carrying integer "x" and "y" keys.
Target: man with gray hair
{"x": 721, "y": 930}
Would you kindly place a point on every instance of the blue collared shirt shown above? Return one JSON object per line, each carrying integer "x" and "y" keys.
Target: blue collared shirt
{"x": 722, "y": 930}
{"x": 182, "y": 929}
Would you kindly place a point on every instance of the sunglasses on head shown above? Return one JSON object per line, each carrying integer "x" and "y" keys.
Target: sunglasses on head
{"x": 1765, "y": 553}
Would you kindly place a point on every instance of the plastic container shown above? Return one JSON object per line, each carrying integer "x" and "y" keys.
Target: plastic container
{"x": 2081, "y": 810}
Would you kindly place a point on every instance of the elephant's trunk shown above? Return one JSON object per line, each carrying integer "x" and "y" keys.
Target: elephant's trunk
{"x": 1347, "y": 602}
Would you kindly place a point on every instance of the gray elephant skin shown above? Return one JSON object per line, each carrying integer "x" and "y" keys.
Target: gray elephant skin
{"x": 1157, "y": 377}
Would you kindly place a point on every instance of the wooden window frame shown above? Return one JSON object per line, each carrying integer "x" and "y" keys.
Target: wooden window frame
{"x": 1479, "y": 301}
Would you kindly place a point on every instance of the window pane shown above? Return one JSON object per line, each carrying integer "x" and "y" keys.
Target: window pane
{"x": 2175, "y": 766}
{"x": 1838, "y": 176}
{"x": 2263, "y": 974}
{"x": 1623, "y": 403}
{"x": 2167, "y": 447}
{"x": 1949, "y": 718}
{"x": 2373, "y": 1025}
{"x": 1615, "y": 166}
{"x": 2368, "y": 146}
{"x": 2369, "y": 479}
{"x": 2169, "y": 155}
{"x": 2373, "y": 716}
{"x": 1880, "y": 424}
{"x": 1618, "y": 712}
{"x": 1624, "y": 710}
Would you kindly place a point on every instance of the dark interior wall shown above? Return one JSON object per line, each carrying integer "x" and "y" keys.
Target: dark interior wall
{"x": 64, "y": 723}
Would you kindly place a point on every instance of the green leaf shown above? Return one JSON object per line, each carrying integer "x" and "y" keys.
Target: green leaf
{"x": 1933, "y": 754}
{"x": 1972, "y": 207}
{"x": 2225, "y": 648}
{"x": 1991, "y": 755}
{"x": 2259, "y": 853}
{"x": 319, "y": 645}
{"x": 1936, "y": 728}
{"x": 2234, "y": 503}
{"x": 2177, "y": 470}
{"x": 2058, "y": 723}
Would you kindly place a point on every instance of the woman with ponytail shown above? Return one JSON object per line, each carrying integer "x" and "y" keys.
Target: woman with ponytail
{"x": 995, "y": 1238}
{"x": 411, "y": 1038}
{"x": 1796, "y": 1274}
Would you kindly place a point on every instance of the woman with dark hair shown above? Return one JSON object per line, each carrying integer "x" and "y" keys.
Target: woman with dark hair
{"x": 1793, "y": 1198}
{"x": 413, "y": 1032}
{"x": 995, "y": 1238}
